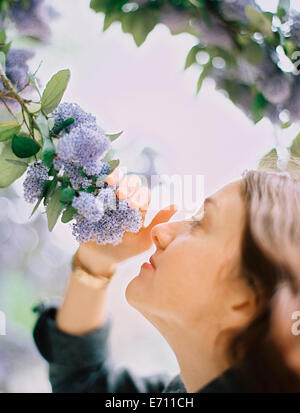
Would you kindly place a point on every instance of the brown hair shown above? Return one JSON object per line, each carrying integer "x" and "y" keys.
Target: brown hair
{"x": 270, "y": 259}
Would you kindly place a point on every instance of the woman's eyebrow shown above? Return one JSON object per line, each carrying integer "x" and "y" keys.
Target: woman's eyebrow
{"x": 211, "y": 201}
{"x": 208, "y": 200}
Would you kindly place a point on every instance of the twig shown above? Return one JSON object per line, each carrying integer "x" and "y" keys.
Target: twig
{"x": 14, "y": 95}
{"x": 8, "y": 108}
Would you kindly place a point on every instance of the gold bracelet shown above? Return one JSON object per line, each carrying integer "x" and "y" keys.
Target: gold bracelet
{"x": 90, "y": 280}
{"x": 86, "y": 276}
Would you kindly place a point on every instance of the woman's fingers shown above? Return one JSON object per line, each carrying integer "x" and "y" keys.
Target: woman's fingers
{"x": 115, "y": 177}
{"x": 163, "y": 215}
{"x": 141, "y": 200}
{"x": 128, "y": 186}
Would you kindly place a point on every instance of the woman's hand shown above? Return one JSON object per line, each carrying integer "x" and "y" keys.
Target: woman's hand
{"x": 84, "y": 306}
{"x": 101, "y": 258}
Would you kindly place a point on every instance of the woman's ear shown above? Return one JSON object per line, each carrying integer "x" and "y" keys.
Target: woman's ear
{"x": 242, "y": 304}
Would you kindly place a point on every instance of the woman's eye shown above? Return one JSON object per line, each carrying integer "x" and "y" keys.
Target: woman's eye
{"x": 196, "y": 219}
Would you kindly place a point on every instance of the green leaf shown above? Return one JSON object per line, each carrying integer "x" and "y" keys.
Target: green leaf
{"x": 2, "y": 60}
{"x": 295, "y": 147}
{"x": 42, "y": 124}
{"x": 34, "y": 107}
{"x": 24, "y": 147}
{"x": 128, "y": 22}
{"x": 8, "y": 129}
{"x": 9, "y": 172}
{"x": 36, "y": 206}
{"x": 5, "y": 48}
{"x": 113, "y": 164}
{"x": 253, "y": 53}
{"x": 32, "y": 81}
{"x": 49, "y": 189}
{"x": 142, "y": 28}
{"x": 81, "y": 171}
{"x": 286, "y": 125}
{"x": 283, "y": 8}
{"x": 204, "y": 73}
{"x": 20, "y": 163}
{"x": 54, "y": 208}
{"x": 67, "y": 194}
{"x": 139, "y": 23}
{"x": 98, "y": 5}
{"x": 46, "y": 186}
{"x": 91, "y": 189}
{"x": 48, "y": 152}
{"x": 68, "y": 214}
{"x": 258, "y": 107}
{"x": 191, "y": 57}
{"x": 109, "y": 19}
{"x": 114, "y": 136}
{"x": 2, "y": 36}
{"x": 58, "y": 128}
{"x": 259, "y": 21}
{"x": 54, "y": 90}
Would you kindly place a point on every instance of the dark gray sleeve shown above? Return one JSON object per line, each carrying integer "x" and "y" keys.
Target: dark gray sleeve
{"x": 82, "y": 364}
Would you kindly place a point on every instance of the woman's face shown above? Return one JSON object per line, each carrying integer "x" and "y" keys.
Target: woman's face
{"x": 196, "y": 279}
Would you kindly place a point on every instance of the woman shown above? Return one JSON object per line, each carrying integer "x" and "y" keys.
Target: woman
{"x": 209, "y": 291}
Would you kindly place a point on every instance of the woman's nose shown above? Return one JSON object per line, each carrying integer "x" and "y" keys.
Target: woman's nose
{"x": 163, "y": 234}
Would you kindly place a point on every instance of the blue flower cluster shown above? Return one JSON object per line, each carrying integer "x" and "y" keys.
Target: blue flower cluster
{"x": 104, "y": 170}
{"x": 72, "y": 171}
{"x": 234, "y": 10}
{"x": 89, "y": 206}
{"x": 31, "y": 18}
{"x": 84, "y": 147}
{"x": 110, "y": 229}
{"x": 82, "y": 143}
{"x": 68, "y": 110}
{"x": 37, "y": 174}
{"x": 99, "y": 215}
{"x": 16, "y": 67}
{"x": 295, "y": 27}
{"x": 80, "y": 149}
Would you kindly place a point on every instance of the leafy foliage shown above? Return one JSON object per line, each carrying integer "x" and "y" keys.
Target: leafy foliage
{"x": 245, "y": 46}
{"x": 61, "y": 141}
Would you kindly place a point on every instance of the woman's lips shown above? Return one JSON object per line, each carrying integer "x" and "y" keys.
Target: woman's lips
{"x": 149, "y": 265}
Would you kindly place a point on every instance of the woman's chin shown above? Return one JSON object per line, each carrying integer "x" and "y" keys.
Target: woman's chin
{"x": 137, "y": 291}
{"x": 131, "y": 291}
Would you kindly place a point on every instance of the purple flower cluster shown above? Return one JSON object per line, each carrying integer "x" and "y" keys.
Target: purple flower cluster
{"x": 36, "y": 175}
{"x": 107, "y": 198}
{"x": 295, "y": 27}
{"x": 89, "y": 206}
{"x": 111, "y": 227}
{"x": 16, "y": 67}
{"x": 235, "y": 9}
{"x": 73, "y": 173}
{"x": 31, "y": 18}
{"x": 105, "y": 168}
{"x": 84, "y": 146}
{"x": 276, "y": 89}
{"x": 214, "y": 34}
{"x": 82, "y": 143}
{"x": 68, "y": 110}
{"x": 80, "y": 149}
